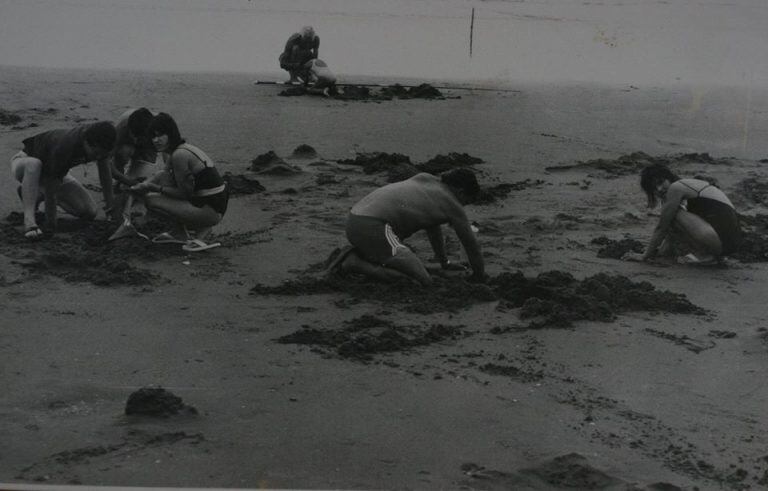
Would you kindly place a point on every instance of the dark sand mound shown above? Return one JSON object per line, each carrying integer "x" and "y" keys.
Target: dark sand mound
{"x": 491, "y": 194}
{"x": 79, "y": 252}
{"x": 442, "y": 163}
{"x": 753, "y": 247}
{"x": 571, "y": 471}
{"x": 552, "y": 299}
{"x": 375, "y": 162}
{"x": 615, "y": 249}
{"x": 637, "y": 161}
{"x": 753, "y": 190}
{"x": 557, "y": 299}
{"x": 8, "y": 118}
{"x": 156, "y": 401}
{"x": 240, "y": 184}
{"x": 304, "y": 151}
{"x": 363, "y": 93}
{"x": 365, "y": 336}
{"x": 270, "y": 164}
{"x": 399, "y": 167}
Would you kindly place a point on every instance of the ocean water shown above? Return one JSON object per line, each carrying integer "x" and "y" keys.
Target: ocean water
{"x": 694, "y": 42}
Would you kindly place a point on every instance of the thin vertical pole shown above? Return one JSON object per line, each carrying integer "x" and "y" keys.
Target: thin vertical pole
{"x": 471, "y": 31}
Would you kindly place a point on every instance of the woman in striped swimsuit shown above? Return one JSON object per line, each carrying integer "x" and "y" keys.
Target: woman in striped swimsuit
{"x": 695, "y": 216}
{"x": 190, "y": 189}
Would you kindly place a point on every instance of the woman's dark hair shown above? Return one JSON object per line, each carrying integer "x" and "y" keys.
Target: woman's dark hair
{"x": 651, "y": 177}
{"x": 163, "y": 124}
{"x": 463, "y": 180}
{"x": 101, "y": 135}
{"x": 139, "y": 121}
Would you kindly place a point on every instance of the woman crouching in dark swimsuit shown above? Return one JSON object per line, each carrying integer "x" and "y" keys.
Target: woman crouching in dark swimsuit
{"x": 189, "y": 190}
{"x": 696, "y": 217}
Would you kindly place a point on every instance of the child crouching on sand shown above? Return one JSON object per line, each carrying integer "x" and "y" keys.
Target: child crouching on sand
{"x": 42, "y": 168}
{"x": 189, "y": 190}
{"x": 695, "y": 216}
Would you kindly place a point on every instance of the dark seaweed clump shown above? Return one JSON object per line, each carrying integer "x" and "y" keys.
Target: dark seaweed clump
{"x": 400, "y": 167}
{"x": 552, "y": 299}
{"x": 156, "y": 401}
{"x": 615, "y": 249}
{"x": 753, "y": 246}
{"x": 8, "y": 118}
{"x": 365, "y": 336}
{"x": 635, "y": 162}
{"x": 240, "y": 184}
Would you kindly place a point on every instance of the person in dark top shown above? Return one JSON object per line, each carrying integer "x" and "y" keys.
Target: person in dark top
{"x": 695, "y": 216}
{"x": 43, "y": 166}
{"x": 300, "y": 48}
{"x": 133, "y": 160}
{"x": 378, "y": 223}
{"x": 189, "y": 190}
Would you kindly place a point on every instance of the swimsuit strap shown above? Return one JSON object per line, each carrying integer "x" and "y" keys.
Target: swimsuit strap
{"x": 189, "y": 149}
{"x": 698, "y": 191}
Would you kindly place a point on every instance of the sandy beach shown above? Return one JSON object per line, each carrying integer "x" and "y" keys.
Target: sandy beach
{"x": 296, "y": 385}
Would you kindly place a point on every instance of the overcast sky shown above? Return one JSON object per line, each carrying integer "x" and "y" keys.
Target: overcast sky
{"x": 615, "y": 41}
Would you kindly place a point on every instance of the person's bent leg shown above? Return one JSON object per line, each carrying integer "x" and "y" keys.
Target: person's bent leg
{"x": 27, "y": 171}
{"x": 406, "y": 262}
{"x": 184, "y": 212}
{"x": 76, "y": 200}
{"x": 698, "y": 235}
{"x": 353, "y": 263}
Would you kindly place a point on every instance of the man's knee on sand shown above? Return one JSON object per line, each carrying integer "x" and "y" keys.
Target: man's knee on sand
{"x": 406, "y": 262}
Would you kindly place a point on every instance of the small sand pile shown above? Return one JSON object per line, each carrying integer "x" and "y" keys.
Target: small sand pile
{"x": 365, "y": 336}
{"x": 304, "y": 151}
{"x": 240, "y": 184}
{"x": 615, "y": 249}
{"x": 552, "y": 299}
{"x": 637, "y": 161}
{"x": 157, "y": 402}
{"x": 8, "y": 118}
{"x": 271, "y": 164}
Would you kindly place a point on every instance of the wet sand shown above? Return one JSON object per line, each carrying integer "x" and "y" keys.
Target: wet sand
{"x": 306, "y": 383}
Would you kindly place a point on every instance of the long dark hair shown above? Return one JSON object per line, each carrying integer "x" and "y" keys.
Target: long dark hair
{"x": 163, "y": 124}
{"x": 651, "y": 177}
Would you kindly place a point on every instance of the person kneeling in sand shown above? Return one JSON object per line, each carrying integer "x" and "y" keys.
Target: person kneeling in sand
{"x": 189, "y": 191}
{"x": 300, "y": 48}
{"x": 378, "y": 222}
{"x": 320, "y": 79}
{"x": 45, "y": 162}
{"x": 134, "y": 150}
{"x": 696, "y": 216}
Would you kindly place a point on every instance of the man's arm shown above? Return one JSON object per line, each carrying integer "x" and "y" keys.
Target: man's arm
{"x": 668, "y": 213}
{"x": 435, "y": 235}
